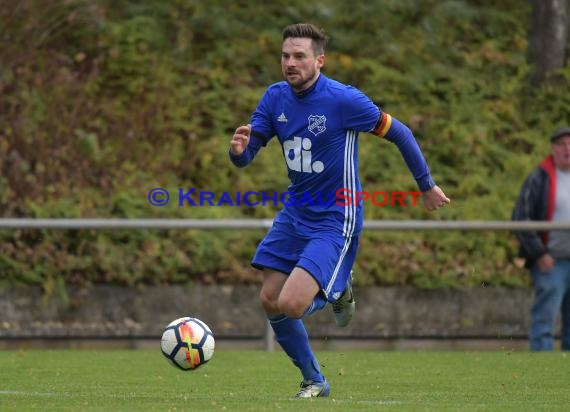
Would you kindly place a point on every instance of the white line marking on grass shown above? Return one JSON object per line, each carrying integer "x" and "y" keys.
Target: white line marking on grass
{"x": 24, "y": 393}
{"x": 368, "y": 402}
{"x": 72, "y": 395}
{"x": 354, "y": 401}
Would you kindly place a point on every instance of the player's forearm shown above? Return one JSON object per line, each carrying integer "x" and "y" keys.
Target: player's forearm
{"x": 402, "y": 137}
{"x": 242, "y": 160}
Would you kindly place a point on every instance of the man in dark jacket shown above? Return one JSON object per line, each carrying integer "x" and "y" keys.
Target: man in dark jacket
{"x": 545, "y": 196}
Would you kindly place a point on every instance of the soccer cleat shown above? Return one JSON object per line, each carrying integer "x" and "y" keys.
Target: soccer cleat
{"x": 310, "y": 389}
{"x": 344, "y": 308}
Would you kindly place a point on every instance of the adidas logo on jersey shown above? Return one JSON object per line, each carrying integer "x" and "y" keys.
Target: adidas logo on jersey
{"x": 282, "y": 118}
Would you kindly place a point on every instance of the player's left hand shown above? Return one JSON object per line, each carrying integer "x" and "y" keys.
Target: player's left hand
{"x": 434, "y": 198}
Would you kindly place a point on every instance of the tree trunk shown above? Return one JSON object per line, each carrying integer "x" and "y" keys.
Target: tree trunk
{"x": 547, "y": 38}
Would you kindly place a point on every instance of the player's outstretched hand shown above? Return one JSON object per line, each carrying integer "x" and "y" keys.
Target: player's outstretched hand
{"x": 434, "y": 198}
{"x": 240, "y": 139}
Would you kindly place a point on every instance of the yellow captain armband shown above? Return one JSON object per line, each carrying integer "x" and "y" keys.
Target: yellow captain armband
{"x": 383, "y": 125}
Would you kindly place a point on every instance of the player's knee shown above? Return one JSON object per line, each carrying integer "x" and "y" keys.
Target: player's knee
{"x": 268, "y": 302}
{"x": 292, "y": 308}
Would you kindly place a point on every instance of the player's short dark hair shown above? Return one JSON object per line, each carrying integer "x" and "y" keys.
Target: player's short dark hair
{"x": 307, "y": 31}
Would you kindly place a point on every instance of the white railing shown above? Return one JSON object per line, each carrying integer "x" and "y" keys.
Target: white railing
{"x": 234, "y": 224}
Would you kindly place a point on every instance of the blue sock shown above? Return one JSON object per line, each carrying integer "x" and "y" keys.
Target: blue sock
{"x": 318, "y": 303}
{"x": 293, "y": 338}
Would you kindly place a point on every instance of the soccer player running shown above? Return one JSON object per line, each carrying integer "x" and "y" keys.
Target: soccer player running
{"x": 308, "y": 254}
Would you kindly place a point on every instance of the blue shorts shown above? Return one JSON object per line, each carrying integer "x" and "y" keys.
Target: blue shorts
{"x": 327, "y": 255}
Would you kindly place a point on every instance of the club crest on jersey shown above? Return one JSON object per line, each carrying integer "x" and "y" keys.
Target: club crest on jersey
{"x": 317, "y": 124}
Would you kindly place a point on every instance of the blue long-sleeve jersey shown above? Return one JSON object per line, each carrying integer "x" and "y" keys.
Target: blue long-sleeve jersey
{"x": 318, "y": 131}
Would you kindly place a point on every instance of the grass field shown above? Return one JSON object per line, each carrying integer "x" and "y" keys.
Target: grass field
{"x": 248, "y": 380}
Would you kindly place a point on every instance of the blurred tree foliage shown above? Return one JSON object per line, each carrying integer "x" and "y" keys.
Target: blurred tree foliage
{"x": 102, "y": 101}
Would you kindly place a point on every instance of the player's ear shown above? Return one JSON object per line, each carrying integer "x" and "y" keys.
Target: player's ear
{"x": 320, "y": 60}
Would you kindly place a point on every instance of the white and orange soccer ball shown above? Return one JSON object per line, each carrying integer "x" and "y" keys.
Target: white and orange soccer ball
{"x": 187, "y": 343}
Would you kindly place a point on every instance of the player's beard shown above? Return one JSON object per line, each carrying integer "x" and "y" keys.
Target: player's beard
{"x": 302, "y": 82}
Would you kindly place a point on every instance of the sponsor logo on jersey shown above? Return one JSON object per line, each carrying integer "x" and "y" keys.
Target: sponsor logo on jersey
{"x": 297, "y": 153}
